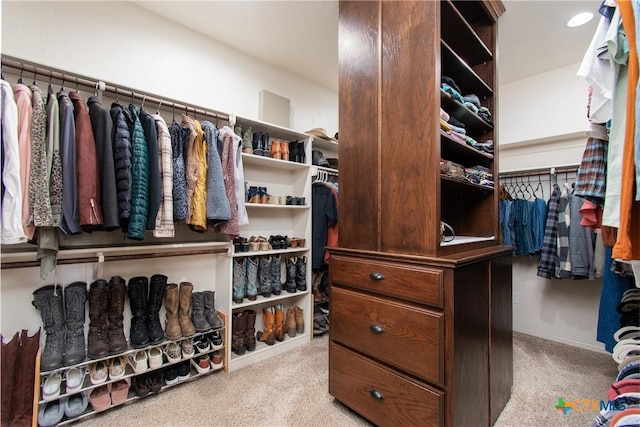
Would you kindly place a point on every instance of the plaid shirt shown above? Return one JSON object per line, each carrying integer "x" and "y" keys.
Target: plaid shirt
{"x": 164, "y": 220}
{"x": 549, "y": 251}
{"x": 592, "y": 174}
{"x": 563, "y": 268}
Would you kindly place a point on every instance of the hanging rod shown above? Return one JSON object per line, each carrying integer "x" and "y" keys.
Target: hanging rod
{"x": 118, "y": 90}
{"x": 540, "y": 171}
{"x": 125, "y": 257}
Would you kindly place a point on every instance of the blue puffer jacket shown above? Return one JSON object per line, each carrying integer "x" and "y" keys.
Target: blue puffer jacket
{"x": 139, "y": 177}
{"x": 121, "y": 140}
{"x": 179, "y": 137}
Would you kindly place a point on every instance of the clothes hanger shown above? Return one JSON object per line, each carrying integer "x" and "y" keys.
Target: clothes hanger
{"x": 117, "y": 96}
{"x": 539, "y": 186}
{"x": 95, "y": 93}
{"x": 173, "y": 109}
{"x": 159, "y": 105}
{"x": 35, "y": 82}
{"x": 144, "y": 97}
{"x": 20, "y": 78}
{"x": 50, "y": 88}
{"x": 77, "y": 90}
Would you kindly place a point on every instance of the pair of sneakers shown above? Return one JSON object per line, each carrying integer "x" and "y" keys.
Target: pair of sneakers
{"x": 147, "y": 383}
{"x": 179, "y": 350}
{"x": 50, "y": 413}
{"x": 178, "y": 372}
{"x": 52, "y": 386}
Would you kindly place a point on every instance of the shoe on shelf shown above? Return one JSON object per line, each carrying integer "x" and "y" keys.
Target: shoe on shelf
{"x": 216, "y": 360}
{"x": 154, "y": 355}
{"x": 216, "y": 340}
{"x": 201, "y": 344}
{"x": 184, "y": 371}
{"x": 50, "y": 413}
{"x": 75, "y": 404}
{"x": 74, "y": 378}
{"x": 98, "y": 372}
{"x": 116, "y": 368}
{"x": 51, "y": 387}
{"x": 171, "y": 375}
{"x": 139, "y": 362}
{"x": 202, "y": 364}
{"x": 154, "y": 381}
{"x": 100, "y": 398}
{"x": 141, "y": 385}
{"x": 119, "y": 391}
{"x": 254, "y": 245}
{"x": 173, "y": 352}
{"x": 187, "y": 348}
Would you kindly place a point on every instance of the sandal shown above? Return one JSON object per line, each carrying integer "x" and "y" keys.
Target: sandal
{"x": 254, "y": 244}
{"x": 98, "y": 372}
{"x": 100, "y": 398}
{"x": 119, "y": 391}
{"x": 116, "y": 368}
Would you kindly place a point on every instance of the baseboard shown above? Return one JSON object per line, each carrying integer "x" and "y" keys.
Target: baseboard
{"x": 599, "y": 348}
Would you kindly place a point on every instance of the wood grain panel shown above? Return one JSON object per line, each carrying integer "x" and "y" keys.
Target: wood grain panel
{"x": 410, "y": 127}
{"x": 407, "y": 337}
{"x": 409, "y": 282}
{"x": 358, "y": 56}
{"x": 501, "y": 338}
{"x": 471, "y": 346}
{"x": 354, "y": 379}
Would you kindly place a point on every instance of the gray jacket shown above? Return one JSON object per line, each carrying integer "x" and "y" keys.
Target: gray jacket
{"x": 70, "y": 209}
{"x": 218, "y": 208}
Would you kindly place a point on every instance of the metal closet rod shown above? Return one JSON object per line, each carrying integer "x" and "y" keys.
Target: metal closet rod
{"x": 539, "y": 171}
{"x": 124, "y": 257}
{"x": 41, "y": 70}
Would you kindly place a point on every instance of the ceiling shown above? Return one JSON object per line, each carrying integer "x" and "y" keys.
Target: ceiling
{"x": 302, "y": 36}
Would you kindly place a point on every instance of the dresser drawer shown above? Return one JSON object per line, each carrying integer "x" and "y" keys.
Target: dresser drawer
{"x": 380, "y": 394}
{"x": 409, "y": 282}
{"x": 402, "y": 335}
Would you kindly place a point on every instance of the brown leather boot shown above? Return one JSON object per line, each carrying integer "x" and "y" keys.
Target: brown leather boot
{"x": 117, "y": 291}
{"x": 186, "y": 326}
{"x": 290, "y": 323}
{"x": 250, "y": 332}
{"x": 239, "y": 331}
{"x": 299, "y": 320}
{"x": 172, "y": 327}
{"x": 22, "y": 400}
{"x": 98, "y": 340}
{"x": 268, "y": 335}
{"x": 8, "y": 356}
{"x": 279, "y": 323}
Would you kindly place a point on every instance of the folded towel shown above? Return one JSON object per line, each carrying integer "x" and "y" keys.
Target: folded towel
{"x": 462, "y": 131}
{"x": 443, "y": 115}
{"x": 453, "y": 121}
{"x": 444, "y": 125}
{"x": 472, "y": 98}
{"x": 448, "y": 80}
{"x": 451, "y": 91}
{"x": 470, "y": 106}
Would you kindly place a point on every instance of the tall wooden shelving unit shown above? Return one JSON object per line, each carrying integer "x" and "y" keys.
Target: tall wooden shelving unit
{"x": 421, "y": 329}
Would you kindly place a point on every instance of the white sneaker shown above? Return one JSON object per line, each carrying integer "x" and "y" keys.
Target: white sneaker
{"x": 155, "y": 357}
{"x": 139, "y": 362}
{"x": 173, "y": 352}
{"x": 51, "y": 387}
{"x": 187, "y": 348}
{"x": 74, "y": 378}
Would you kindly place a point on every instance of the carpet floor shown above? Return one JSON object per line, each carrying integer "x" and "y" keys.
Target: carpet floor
{"x": 292, "y": 390}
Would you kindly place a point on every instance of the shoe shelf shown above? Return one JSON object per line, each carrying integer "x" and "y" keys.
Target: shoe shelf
{"x": 132, "y": 397}
{"x": 324, "y": 144}
{"x": 263, "y": 161}
{"x": 264, "y": 351}
{"x": 275, "y": 131}
{"x": 284, "y": 295}
{"x": 271, "y": 206}
{"x": 129, "y": 352}
{"x": 270, "y": 252}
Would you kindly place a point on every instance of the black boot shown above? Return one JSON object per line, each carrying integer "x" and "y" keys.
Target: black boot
{"x": 265, "y": 145}
{"x": 301, "y": 154}
{"x": 197, "y": 312}
{"x": 259, "y": 150}
{"x": 250, "y": 331}
{"x": 210, "y": 310}
{"x": 49, "y": 303}
{"x": 290, "y": 268}
{"x": 301, "y": 273}
{"x": 117, "y": 291}
{"x": 138, "y": 290}
{"x": 75, "y": 296}
{"x": 98, "y": 342}
{"x": 264, "y": 276}
{"x": 157, "y": 287}
{"x": 276, "y": 273}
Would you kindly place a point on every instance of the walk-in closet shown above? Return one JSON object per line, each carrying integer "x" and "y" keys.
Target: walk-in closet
{"x": 345, "y": 213}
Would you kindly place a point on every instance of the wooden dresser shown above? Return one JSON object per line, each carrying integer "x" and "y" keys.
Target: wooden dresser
{"x": 421, "y": 330}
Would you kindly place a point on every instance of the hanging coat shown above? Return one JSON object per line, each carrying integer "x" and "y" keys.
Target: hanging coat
{"x": 70, "y": 213}
{"x": 218, "y": 209}
{"x": 179, "y": 136}
{"x": 40, "y": 199}
{"x": 139, "y": 177}
{"x": 121, "y": 139}
{"x": 22, "y": 95}
{"x": 155, "y": 181}
{"x": 164, "y": 220}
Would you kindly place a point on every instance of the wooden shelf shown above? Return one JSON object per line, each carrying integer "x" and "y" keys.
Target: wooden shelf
{"x": 252, "y": 159}
{"x": 451, "y": 148}
{"x": 475, "y": 125}
{"x": 462, "y": 182}
{"x": 274, "y": 131}
{"x": 284, "y": 295}
{"x": 270, "y": 252}
{"x": 466, "y": 79}
{"x": 461, "y": 37}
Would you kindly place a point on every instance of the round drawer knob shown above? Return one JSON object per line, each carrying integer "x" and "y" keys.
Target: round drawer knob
{"x": 376, "y": 276}
{"x": 376, "y": 329}
{"x": 376, "y": 394}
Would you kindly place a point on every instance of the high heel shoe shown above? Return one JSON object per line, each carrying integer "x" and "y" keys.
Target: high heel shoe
{"x": 254, "y": 195}
{"x": 264, "y": 196}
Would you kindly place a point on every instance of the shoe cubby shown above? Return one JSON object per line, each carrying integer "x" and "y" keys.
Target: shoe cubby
{"x": 130, "y": 375}
{"x": 282, "y": 208}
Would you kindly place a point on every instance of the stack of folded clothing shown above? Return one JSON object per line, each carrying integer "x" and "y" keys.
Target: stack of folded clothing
{"x": 485, "y": 114}
{"x": 479, "y": 175}
{"x": 471, "y": 101}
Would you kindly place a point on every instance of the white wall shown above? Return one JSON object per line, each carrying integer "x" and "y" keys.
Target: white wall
{"x": 122, "y": 43}
{"x": 542, "y": 123}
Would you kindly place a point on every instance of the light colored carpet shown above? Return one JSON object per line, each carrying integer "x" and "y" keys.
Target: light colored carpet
{"x": 291, "y": 390}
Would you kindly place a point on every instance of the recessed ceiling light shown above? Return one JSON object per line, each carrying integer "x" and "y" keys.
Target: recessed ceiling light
{"x": 580, "y": 19}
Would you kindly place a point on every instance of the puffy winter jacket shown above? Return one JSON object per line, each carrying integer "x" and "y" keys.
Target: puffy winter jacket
{"x": 199, "y": 210}
{"x": 217, "y": 201}
{"x": 139, "y": 177}
{"x": 191, "y": 162}
{"x": 121, "y": 138}
{"x": 179, "y": 136}
{"x": 155, "y": 182}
